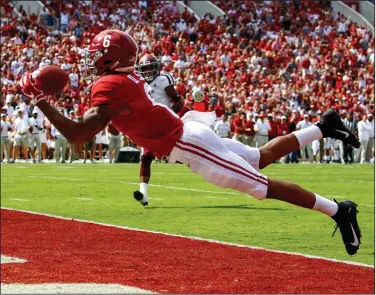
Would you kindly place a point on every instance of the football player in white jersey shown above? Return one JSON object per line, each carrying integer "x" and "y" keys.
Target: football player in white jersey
{"x": 161, "y": 89}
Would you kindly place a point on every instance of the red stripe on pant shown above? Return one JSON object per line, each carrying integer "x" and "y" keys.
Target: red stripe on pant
{"x": 262, "y": 181}
{"x": 228, "y": 162}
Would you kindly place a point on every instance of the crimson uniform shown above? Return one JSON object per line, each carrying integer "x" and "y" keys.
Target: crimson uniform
{"x": 148, "y": 124}
{"x": 189, "y": 140}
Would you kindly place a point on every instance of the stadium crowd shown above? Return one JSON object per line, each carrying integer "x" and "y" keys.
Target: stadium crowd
{"x": 266, "y": 69}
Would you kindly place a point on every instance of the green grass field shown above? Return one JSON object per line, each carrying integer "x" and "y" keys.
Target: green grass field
{"x": 185, "y": 204}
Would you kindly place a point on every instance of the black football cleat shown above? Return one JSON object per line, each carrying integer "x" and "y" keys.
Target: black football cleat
{"x": 332, "y": 126}
{"x": 348, "y": 225}
{"x": 139, "y": 197}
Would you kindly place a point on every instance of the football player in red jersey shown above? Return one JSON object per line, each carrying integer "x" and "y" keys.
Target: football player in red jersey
{"x": 161, "y": 89}
{"x": 120, "y": 95}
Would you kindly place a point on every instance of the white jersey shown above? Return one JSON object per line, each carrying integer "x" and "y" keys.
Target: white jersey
{"x": 156, "y": 89}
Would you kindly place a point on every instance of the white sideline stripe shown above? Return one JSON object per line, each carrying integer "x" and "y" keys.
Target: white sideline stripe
{"x": 9, "y": 259}
{"x": 157, "y": 199}
{"x": 340, "y": 197}
{"x": 132, "y": 183}
{"x": 65, "y": 288}
{"x": 210, "y": 197}
{"x": 20, "y": 200}
{"x": 85, "y": 199}
{"x": 156, "y": 185}
{"x": 195, "y": 238}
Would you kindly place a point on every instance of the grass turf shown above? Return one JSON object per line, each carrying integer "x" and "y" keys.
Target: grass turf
{"x": 185, "y": 204}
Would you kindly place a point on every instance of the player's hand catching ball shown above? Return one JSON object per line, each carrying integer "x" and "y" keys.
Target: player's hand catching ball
{"x": 31, "y": 86}
{"x": 48, "y": 80}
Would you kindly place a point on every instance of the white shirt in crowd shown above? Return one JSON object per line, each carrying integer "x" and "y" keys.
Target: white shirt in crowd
{"x": 73, "y": 77}
{"x": 5, "y": 126}
{"x": 263, "y": 126}
{"x": 66, "y": 66}
{"x": 222, "y": 128}
{"x": 303, "y": 124}
{"x": 364, "y": 130}
{"x": 55, "y": 132}
{"x": 372, "y": 131}
{"x": 9, "y": 109}
{"x": 64, "y": 18}
{"x": 21, "y": 125}
{"x": 180, "y": 64}
{"x": 36, "y": 124}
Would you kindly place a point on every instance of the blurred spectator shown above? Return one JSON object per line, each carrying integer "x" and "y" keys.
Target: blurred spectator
{"x": 284, "y": 58}
{"x": 35, "y": 141}
{"x": 222, "y": 127}
{"x": 21, "y": 140}
{"x": 305, "y": 151}
{"x": 348, "y": 151}
{"x": 364, "y": 131}
{"x": 371, "y": 142}
{"x": 114, "y": 143}
{"x": 262, "y": 129}
{"x": 61, "y": 143}
{"x": 5, "y": 148}
{"x": 239, "y": 126}
{"x": 89, "y": 147}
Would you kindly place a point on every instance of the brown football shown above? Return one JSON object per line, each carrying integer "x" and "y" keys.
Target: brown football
{"x": 53, "y": 79}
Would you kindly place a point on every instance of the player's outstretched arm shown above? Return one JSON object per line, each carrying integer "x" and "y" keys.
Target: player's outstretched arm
{"x": 177, "y": 100}
{"x": 94, "y": 120}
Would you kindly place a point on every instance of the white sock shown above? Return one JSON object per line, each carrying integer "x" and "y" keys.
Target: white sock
{"x": 307, "y": 135}
{"x": 325, "y": 206}
{"x": 144, "y": 191}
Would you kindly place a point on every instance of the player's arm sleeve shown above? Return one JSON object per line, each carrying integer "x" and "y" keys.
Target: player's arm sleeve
{"x": 104, "y": 93}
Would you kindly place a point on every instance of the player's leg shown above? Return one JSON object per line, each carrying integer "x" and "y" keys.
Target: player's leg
{"x": 330, "y": 125}
{"x": 206, "y": 154}
{"x": 145, "y": 173}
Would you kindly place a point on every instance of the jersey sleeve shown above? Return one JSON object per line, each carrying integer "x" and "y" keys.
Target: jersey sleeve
{"x": 112, "y": 90}
{"x": 102, "y": 93}
{"x": 165, "y": 81}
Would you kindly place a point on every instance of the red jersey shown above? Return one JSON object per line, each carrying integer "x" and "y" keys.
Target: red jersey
{"x": 148, "y": 124}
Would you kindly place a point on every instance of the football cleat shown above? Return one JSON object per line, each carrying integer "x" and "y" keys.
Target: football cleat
{"x": 139, "y": 197}
{"x": 348, "y": 225}
{"x": 332, "y": 126}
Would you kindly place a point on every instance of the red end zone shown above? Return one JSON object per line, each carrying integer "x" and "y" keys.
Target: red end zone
{"x": 68, "y": 251}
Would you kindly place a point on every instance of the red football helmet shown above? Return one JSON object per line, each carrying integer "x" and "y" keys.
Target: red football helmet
{"x": 148, "y": 67}
{"x": 111, "y": 50}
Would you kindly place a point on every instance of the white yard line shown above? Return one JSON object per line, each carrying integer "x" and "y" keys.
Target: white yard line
{"x": 131, "y": 183}
{"x": 196, "y": 238}
{"x": 157, "y": 185}
{"x": 210, "y": 197}
{"x": 343, "y": 198}
{"x": 156, "y": 199}
{"x": 20, "y": 200}
{"x": 85, "y": 199}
